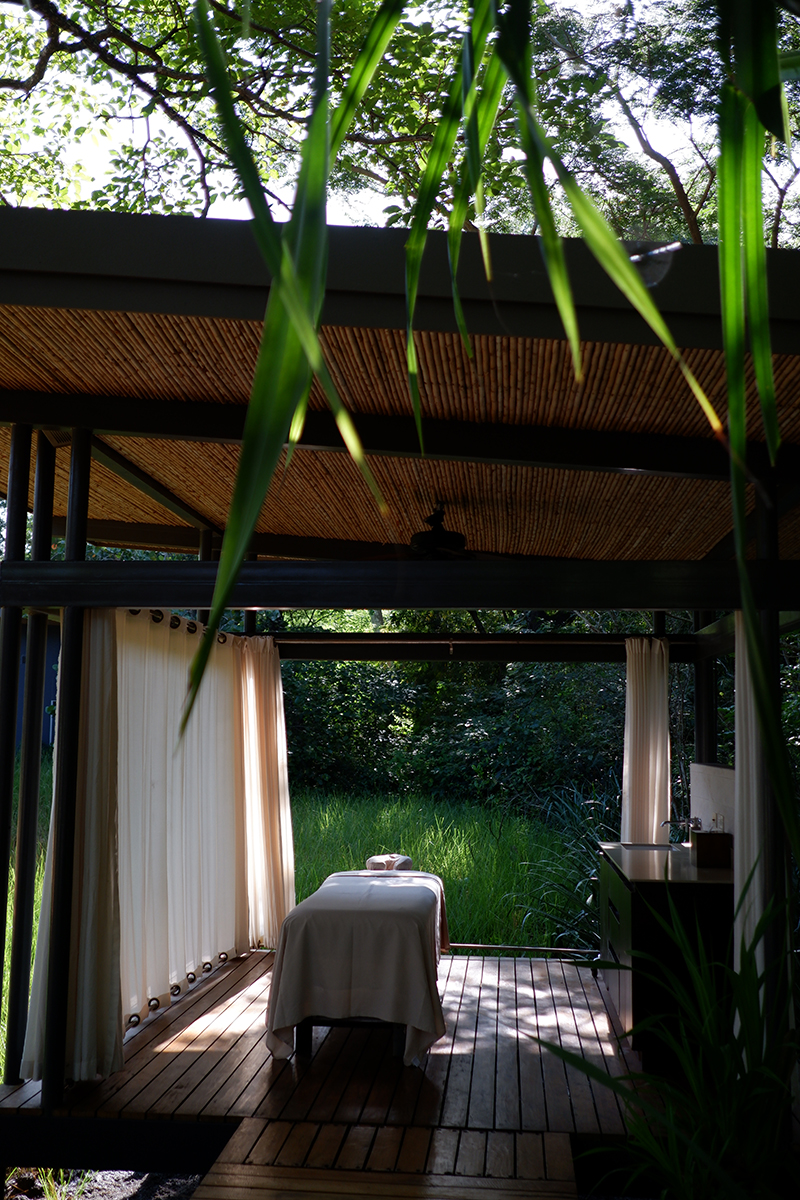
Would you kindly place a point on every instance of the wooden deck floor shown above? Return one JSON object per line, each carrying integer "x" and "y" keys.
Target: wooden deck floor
{"x": 488, "y": 1105}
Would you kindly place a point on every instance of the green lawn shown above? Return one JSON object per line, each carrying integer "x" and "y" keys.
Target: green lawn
{"x": 487, "y": 862}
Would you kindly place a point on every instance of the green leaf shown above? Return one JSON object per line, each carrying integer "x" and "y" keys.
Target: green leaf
{"x": 737, "y": 210}
{"x": 753, "y": 25}
{"x": 513, "y": 47}
{"x": 290, "y": 348}
{"x": 486, "y": 108}
{"x": 369, "y": 57}
{"x": 755, "y": 269}
{"x": 437, "y": 162}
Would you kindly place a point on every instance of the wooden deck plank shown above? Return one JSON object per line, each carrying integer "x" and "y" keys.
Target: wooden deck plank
{"x": 558, "y": 1157}
{"x": 530, "y": 1155}
{"x": 263, "y": 1079}
{"x": 281, "y": 1092}
{"x": 356, "y": 1147}
{"x": 373, "y": 1049}
{"x": 414, "y": 1150}
{"x": 437, "y": 1064}
{"x": 21, "y": 1096}
{"x": 250, "y": 1056}
{"x": 175, "y": 1037}
{"x": 506, "y": 1105}
{"x": 385, "y": 1148}
{"x": 471, "y": 1157}
{"x": 241, "y": 1143}
{"x": 533, "y": 1110}
{"x": 390, "y": 1072}
{"x": 189, "y": 1065}
{"x": 484, "y": 1060}
{"x": 325, "y": 1055}
{"x": 346, "y": 1043}
{"x": 455, "y": 1104}
{"x": 556, "y": 1088}
{"x": 327, "y": 1145}
{"x": 606, "y": 1104}
{"x": 500, "y": 1155}
{"x": 203, "y": 1078}
{"x": 580, "y": 1089}
{"x": 443, "y": 1152}
{"x": 269, "y": 1144}
{"x": 294, "y": 1150}
{"x": 283, "y": 1183}
{"x": 155, "y": 1036}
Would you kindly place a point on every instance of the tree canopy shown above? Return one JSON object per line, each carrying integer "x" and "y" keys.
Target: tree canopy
{"x": 626, "y": 92}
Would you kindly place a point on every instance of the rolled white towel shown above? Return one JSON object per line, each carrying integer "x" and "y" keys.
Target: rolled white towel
{"x": 390, "y": 862}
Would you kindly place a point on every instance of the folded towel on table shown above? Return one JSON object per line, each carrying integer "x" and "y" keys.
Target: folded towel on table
{"x": 389, "y": 862}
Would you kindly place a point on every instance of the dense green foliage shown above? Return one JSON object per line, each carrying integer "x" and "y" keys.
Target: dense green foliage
{"x": 105, "y": 105}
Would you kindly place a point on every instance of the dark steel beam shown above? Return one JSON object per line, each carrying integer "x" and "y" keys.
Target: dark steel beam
{"x": 143, "y": 482}
{"x": 394, "y": 436}
{"x": 502, "y": 583}
{"x": 29, "y": 772}
{"x": 132, "y": 263}
{"x": 66, "y": 783}
{"x": 460, "y": 647}
{"x": 184, "y": 539}
{"x": 10, "y": 634}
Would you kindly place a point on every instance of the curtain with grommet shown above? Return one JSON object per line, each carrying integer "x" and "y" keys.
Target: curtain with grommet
{"x": 646, "y": 752}
{"x": 94, "y": 1015}
{"x": 183, "y": 902}
{"x": 268, "y": 818}
{"x": 184, "y": 852}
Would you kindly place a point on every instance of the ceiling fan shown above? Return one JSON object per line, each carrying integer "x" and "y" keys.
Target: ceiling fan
{"x": 438, "y": 542}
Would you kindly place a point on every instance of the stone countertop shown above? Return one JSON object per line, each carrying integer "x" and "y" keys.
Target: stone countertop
{"x": 640, "y": 863}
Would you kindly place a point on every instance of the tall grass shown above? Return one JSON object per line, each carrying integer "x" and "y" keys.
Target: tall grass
{"x": 487, "y": 858}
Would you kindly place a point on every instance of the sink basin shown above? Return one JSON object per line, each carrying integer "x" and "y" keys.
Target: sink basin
{"x": 652, "y": 846}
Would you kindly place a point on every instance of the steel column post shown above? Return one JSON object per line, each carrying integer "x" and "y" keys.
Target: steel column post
{"x": 65, "y": 791}
{"x": 705, "y": 698}
{"x": 19, "y": 465}
{"x": 204, "y": 555}
{"x": 250, "y": 614}
{"x": 30, "y": 770}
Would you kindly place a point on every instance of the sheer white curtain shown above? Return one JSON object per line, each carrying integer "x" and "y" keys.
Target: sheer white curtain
{"x": 184, "y": 846}
{"x": 645, "y": 762}
{"x": 268, "y": 818}
{"x": 183, "y": 897}
{"x": 94, "y": 1019}
{"x": 749, "y": 824}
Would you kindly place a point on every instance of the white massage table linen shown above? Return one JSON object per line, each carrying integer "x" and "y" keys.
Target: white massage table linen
{"x": 365, "y": 944}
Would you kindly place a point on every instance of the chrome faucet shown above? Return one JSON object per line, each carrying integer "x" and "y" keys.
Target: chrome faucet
{"x": 688, "y": 823}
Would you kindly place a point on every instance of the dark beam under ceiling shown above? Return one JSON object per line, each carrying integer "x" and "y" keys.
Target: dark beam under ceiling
{"x": 126, "y": 262}
{"x": 119, "y": 465}
{"x": 507, "y": 583}
{"x": 411, "y": 647}
{"x": 184, "y": 539}
{"x": 396, "y": 436}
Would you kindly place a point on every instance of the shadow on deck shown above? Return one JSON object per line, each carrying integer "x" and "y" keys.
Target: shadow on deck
{"x": 490, "y": 1112}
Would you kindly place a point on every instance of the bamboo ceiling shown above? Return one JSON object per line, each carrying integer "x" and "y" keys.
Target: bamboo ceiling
{"x": 515, "y": 381}
{"x": 159, "y": 311}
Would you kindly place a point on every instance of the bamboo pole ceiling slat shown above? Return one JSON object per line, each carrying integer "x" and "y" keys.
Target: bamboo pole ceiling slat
{"x": 509, "y": 380}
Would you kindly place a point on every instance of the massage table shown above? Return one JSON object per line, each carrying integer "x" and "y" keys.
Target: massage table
{"x": 365, "y": 945}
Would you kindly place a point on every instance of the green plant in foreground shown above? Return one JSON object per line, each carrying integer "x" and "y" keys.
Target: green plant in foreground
{"x": 53, "y": 1183}
{"x": 716, "y": 1127}
{"x": 564, "y": 884}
